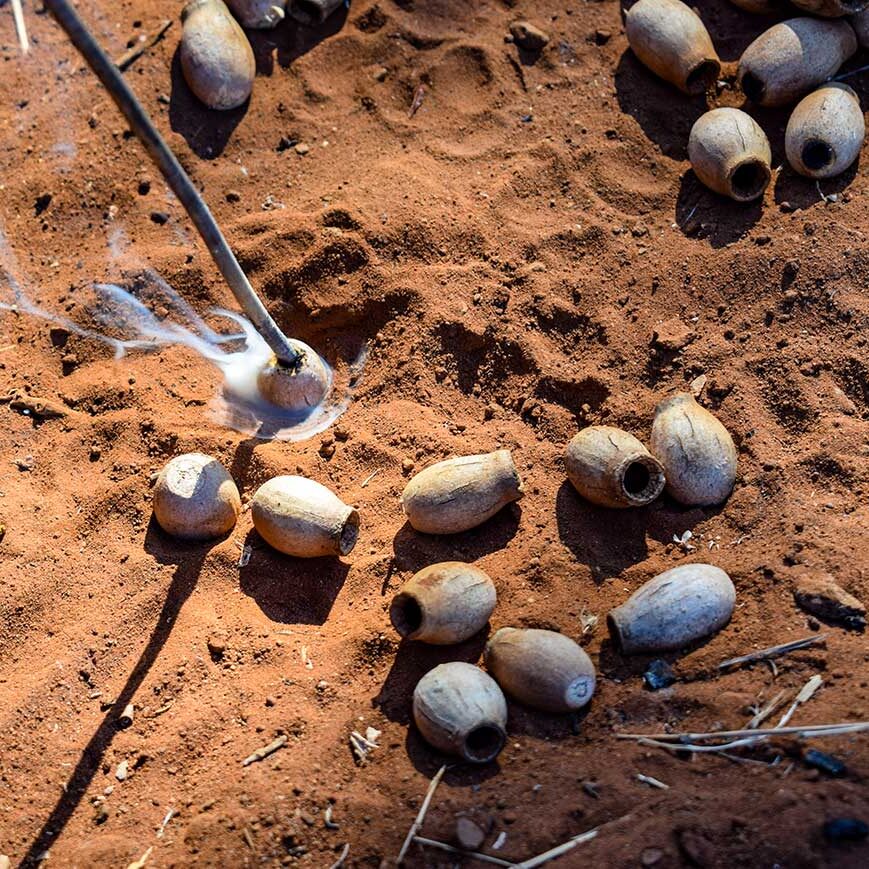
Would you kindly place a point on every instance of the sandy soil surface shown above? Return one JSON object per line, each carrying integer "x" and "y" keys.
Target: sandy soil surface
{"x": 528, "y": 253}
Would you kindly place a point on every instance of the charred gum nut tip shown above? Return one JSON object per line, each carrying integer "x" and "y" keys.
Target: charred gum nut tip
{"x": 195, "y": 498}
{"x": 460, "y": 710}
{"x": 443, "y": 603}
{"x": 825, "y": 133}
{"x": 459, "y": 494}
{"x": 542, "y": 669}
{"x": 730, "y": 154}
{"x": 672, "y": 610}
{"x": 792, "y": 57}
{"x": 611, "y": 468}
{"x": 670, "y": 39}
{"x": 300, "y": 517}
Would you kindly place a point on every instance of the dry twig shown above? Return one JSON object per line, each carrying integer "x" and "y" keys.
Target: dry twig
{"x": 762, "y": 714}
{"x": 143, "y": 43}
{"x": 808, "y": 730}
{"x": 20, "y": 27}
{"x": 772, "y": 651}
{"x": 804, "y": 696}
{"x": 420, "y": 816}
{"x": 476, "y": 855}
{"x": 341, "y": 857}
{"x": 265, "y": 751}
{"x": 557, "y": 851}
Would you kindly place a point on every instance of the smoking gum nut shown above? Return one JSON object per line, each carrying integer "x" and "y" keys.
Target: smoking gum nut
{"x": 195, "y": 498}
{"x": 300, "y": 387}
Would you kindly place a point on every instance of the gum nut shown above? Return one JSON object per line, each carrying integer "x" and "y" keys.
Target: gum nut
{"x": 697, "y": 452}
{"x": 791, "y": 58}
{"x": 300, "y": 517}
{"x": 673, "y": 610}
{"x": 195, "y": 498}
{"x": 459, "y": 494}
{"x": 826, "y": 131}
{"x": 258, "y": 14}
{"x": 860, "y": 23}
{"x": 216, "y": 58}
{"x": 443, "y": 603}
{"x": 542, "y": 669}
{"x": 730, "y": 154}
{"x": 460, "y": 710}
{"x": 298, "y": 388}
{"x": 671, "y": 40}
{"x": 611, "y": 468}
{"x": 831, "y": 8}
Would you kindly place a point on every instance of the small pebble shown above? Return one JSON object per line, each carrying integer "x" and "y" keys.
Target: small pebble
{"x": 528, "y": 37}
{"x": 469, "y": 835}
{"x": 659, "y": 675}
{"x": 302, "y": 148}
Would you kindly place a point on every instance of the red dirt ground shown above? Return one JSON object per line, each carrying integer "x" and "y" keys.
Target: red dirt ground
{"x": 510, "y": 252}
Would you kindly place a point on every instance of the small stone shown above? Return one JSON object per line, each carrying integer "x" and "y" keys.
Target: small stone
{"x": 233, "y": 196}
{"x": 144, "y": 187}
{"x": 845, "y": 830}
{"x": 380, "y": 74}
{"x": 270, "y": 701}
{"x": 122, "y": 771}
{"x": 824, "y": 762}
{"x": 302, "y": 149}
{"x": 69, "y": 361}
{"x": 602, "y": 37}
{"x": 101, "y": 815}
{"x": 327, "y": 450}
{"x": 216, "y": 646}
{"x": 159, "y": 217}
{"x": 95, "y": 454}
{"x": 672, "y": 335}
{"x": 469, "y": 835}
{"x": 58, "y": 336}
{"x": 659, "y": 675}
{"x": 528, "y": 37}
{"x": 651, "y": 856}
{"x": 407, "y": 466}
{"x": 820, "y": 595}
{"x": 42, "y": 202}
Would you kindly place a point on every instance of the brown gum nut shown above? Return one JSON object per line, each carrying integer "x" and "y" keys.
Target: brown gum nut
{"x": 542, "y": 669}
{"x": 792, "y": 57}
{"x": 459, "y": 494}
{"x": 195, "y": 498}
{"x": 611, "y": 468}
{"x": 674, "y": 609}
{"x": 216, "y": 58}
{"x": 301, "y": 517}
{"x": 825, "y": 133}
{"x": 444, "y": 603}
{"x": 671, "y": 40}
{"x": 730, "y": 154}
{"x": 460, "y": 710}
{"x": 696, "y": 451}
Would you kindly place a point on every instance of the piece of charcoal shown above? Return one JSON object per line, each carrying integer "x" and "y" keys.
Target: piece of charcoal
{"x": 659, "y": 675}
{"x": 846, "y": 830}
{"x": 824, "y": 762}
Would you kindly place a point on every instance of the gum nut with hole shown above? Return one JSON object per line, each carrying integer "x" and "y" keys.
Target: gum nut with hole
{"x": 216, "y": 58}
{"x": 313, "y": 12}
{"x": 730, "y": 154}
{"x": 258, "y": 14}
{"x": 542, "y": 669}
{"x": 459, "y": 494}
{"x": 444, "y": 603}
{"x": 670, "y": 39}
{"x": 672, "y": 610}
{"x": 791, "y": 58}
{"x": 826, "y": 131}
{"x": 300, "y": 388}
{"x": 195, "y": 498}
{"x": 300, "y": 517}
{"x": 696, "y": 450}
{"x": 611, "y": 468}
{"x": 831, "y": 8}
{"x": 860, "y": 23}
{"x": 460, "y": 710}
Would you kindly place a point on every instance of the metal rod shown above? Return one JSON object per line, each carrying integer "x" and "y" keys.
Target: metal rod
{"x": 176, "y": 178}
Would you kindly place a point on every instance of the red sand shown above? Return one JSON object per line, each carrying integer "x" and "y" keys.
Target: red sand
{"x": 509, "y": 251}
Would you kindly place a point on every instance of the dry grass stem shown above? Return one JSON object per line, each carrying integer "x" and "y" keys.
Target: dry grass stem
{"x": 420, "y": 817}
{"x": 772, "y": 651}
{"x": 475, "y": 855}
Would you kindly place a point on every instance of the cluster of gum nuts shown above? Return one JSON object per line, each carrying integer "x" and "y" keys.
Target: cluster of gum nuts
{"x": 793, "y": 60}
{"x": 216, "y": 57}
{"x": 459, "y": 708}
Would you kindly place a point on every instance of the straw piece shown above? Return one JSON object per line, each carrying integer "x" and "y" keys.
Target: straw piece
{"x": 476, "y": 855}
{"x": 814, "y": 729}
{"x": 20, "y": 28}
{"x": 772, "y": 651}
{"x": 420, "y": 816}
{"x": 558, "y": 850}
